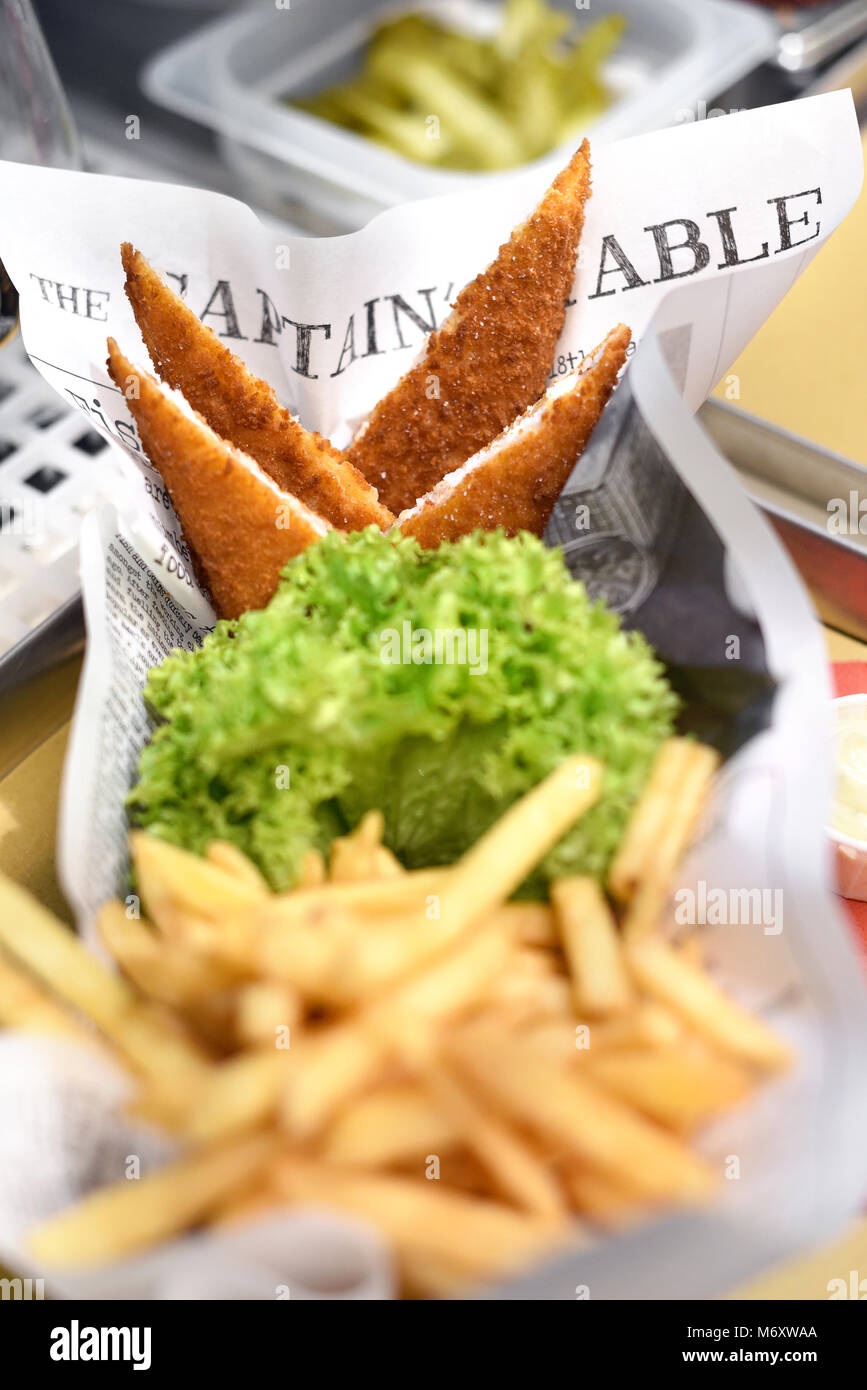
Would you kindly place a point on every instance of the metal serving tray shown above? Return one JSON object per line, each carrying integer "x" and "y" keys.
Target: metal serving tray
{"x": 816, "y": 36}
{"x": 797, "y": 484}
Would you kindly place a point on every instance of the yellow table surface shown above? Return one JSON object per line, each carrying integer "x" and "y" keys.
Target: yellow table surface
{"x": 34, "y": 727}
{"x": 804, "y": 369}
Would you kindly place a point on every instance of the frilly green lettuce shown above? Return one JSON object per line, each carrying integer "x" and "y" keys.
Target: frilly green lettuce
{"x": 288, "y": 724}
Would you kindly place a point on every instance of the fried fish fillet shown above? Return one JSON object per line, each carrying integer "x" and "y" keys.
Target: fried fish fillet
{"x": 240, "y": 526}
{"x": 243, "y": 409}
{"x": 515, "y": 482}
{"x": 490, "y": 359}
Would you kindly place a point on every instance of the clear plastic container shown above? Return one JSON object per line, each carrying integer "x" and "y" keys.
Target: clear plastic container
{"x": 675, "y": 56}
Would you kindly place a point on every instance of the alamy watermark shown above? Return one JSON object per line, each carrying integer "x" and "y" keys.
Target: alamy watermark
{"x": 21, "y": 1290}
{"x": 847, "y": 516}
{"x": 730, "y": 907}
{"x": 444, "y": 646}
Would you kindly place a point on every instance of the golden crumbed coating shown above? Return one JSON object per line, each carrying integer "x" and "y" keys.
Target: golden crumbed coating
{"x": 490, "y": 359}
{"x": 241, "y": 528}
{"x": 242, "y": 408}
{"x": 516, "y": 481}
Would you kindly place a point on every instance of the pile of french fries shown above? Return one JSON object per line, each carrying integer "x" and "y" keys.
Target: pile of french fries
{"x": 480, "y": 1079}
{"x": 500, "y": 99}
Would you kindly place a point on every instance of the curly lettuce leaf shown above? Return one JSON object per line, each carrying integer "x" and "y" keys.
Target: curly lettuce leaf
{"x": 288, "y": 724}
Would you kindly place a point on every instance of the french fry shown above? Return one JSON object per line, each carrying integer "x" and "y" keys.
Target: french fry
{"x": 309, "y": 1082}
{"x": 326, "y": 957}
{"x": 370, "y": 829}
{"x": 351, "y": 857}
{"x": 149, "y": 1039}
{"x": 164, "y": 1100}
{"x": 312, "y": 870}
{"x": 263, "y": 1008}
{"x": 655, "y": 1026}
{"x": 385, "y": 864}
{"x": 333, "y": 957}
{"x": 230, "y": 942}
{"x": 391, "y": 1125}
{"x": 172, "y": 878}
{"x": 600, "y": 1199}
{"x": 156, "y": 1043}
{"x": 520, "y": 997}
{"x": 53, "y": 953}
{"x": 600, "y": 980}
{"x": 210, "y": 1021}
{"x": 237, "y": 1095}
{"x": 532, "y": 924}
{"x": 665, "y": 975}
{"x": 250, "y": 1204}
{"x": 486, "y": 875}
{"x": 518, "y": 1175}
{"x": 570, "y": 1110}
{"x": 337, "y": 959}
{"x": 684, "y": 809}
{"x": 465, "y": 1173}
{"x": 690, "y": 949}
{"x": 555, "y": 1039}
{"x": 329, "y": 1068}
{"x": 426, "y": 1276}
{"x": 497, "y": 863}
{"x": 677, "y": 1087}
{"x": 373, "y": 897}
{"x": 163, "y": 969}
{"x": 457, "y": 981}
{"x": 130, "y": 1216}
{"x": 24, "y": 1005}
{"x": 362, "y": 856}
{"x": 645, "y": 1027}
{"x": 481, "y": 1238}
{"x": 342, "y": 1060}
{"x": 637, "y": 849}
{"x": 534, "y": 962}
{"x": 226, "y": 856}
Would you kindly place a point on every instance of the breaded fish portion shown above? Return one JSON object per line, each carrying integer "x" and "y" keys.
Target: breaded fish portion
{"x": 242, "y": 408}
{"x": 515, "y": 482}
{"x": 240, "y": 526}
{"x": 490, "y": 359}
